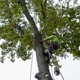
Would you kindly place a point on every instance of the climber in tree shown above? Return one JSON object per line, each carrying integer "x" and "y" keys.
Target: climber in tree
{"x": 52, "y": 45}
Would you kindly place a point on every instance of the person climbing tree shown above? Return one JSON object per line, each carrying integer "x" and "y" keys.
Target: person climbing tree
{"x": 52, "y": 42}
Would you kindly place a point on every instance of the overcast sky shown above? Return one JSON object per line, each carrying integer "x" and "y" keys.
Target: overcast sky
{"x": 20, "y": 70}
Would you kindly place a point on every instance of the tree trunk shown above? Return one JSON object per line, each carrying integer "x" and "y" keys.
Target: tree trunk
{"x": 43, "y": 67}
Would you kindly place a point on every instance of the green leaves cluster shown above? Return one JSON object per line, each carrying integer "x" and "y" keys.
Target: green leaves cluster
{"x": 62, "y": 20}
{"x": 11, "y": 14}
{"x": 15, "y": 45}
{"x": 10, "y": 11}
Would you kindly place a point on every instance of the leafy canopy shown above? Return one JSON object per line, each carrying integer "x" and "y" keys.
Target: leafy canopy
{"x": 60, "y": 18}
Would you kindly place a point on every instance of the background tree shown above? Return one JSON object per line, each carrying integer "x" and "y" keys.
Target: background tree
{"x": 24, "y": 21}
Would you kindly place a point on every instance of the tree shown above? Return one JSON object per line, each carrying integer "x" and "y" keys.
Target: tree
{"x": 20, "y": 33}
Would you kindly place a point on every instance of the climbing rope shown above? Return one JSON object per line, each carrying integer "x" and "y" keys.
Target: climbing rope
{"x": 52, "y": 73}
{"x": 62, "y": 76}
{"x": 31, "y": 67}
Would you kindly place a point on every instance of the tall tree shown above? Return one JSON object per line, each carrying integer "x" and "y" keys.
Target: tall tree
{"x": 23, "y": 22}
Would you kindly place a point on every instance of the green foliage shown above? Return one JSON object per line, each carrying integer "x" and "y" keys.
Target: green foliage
{"x": 10, "y": 11}
{"x": 13, "y": 39}
{"x": 62, "y": 20}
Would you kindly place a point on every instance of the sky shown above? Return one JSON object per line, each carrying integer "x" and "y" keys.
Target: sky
{"x": 20, "y": 70}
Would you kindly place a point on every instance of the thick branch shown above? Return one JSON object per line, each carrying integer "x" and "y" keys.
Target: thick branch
{"x": 30, "y": 19}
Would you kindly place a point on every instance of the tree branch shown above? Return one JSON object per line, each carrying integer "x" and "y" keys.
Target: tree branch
{"x": 30, "y": 19}
{"x": 16, "y": 26}
{"x": 43, "y": 6}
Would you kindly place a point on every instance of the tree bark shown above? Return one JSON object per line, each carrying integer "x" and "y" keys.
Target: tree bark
{"x": 43, "y": 67}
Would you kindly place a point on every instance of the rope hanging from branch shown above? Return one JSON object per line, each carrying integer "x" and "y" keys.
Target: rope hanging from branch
{"x": 31, "y": 66}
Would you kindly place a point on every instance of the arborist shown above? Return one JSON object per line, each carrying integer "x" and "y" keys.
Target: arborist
{"x": 52, "y": 45}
